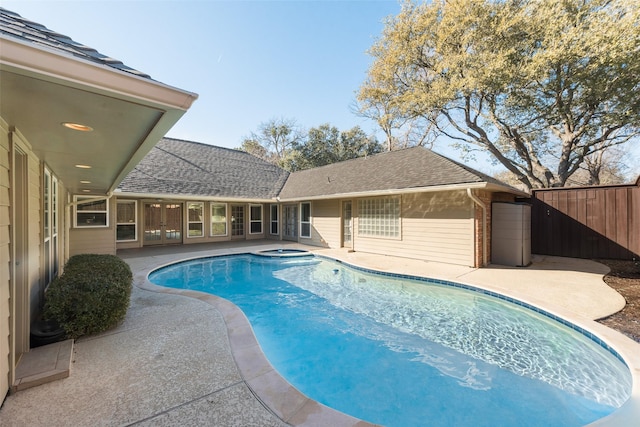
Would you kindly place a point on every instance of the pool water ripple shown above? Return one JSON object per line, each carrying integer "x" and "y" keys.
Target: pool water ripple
{"x": 390, "y": 350}
{"x": 476, "y": 325}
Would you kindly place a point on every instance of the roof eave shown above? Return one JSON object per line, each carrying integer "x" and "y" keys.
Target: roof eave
{"x": 45, "y": 63}
{"x": 162, "y": 126}
{"x": 449, "y": 187}
{"x": 190, "y": 197}
{"x": 53, "y": 66}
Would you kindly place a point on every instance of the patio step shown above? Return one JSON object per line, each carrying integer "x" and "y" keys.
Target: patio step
{"x": 43, "y": 364}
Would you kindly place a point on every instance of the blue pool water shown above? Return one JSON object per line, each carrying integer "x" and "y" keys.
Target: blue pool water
{"x": 403, "y": 352}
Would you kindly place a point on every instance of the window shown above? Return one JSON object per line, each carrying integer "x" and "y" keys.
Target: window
{"x": 50, "y": 225}
{"x": 93, "y": 213}
{"x": 218, "y": 219}
{"x": 274, "y": 219}
{"x": 255, "y": 219}
{"x": 379, "y": 217}
{"x": 126, "y": 227}
{"x": 47, "y": 205}
{"x": 195, "y": 221}
{"x": 305, "y": 219}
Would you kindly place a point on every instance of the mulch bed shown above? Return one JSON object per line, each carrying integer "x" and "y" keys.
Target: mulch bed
{"x": 624, "y": 278}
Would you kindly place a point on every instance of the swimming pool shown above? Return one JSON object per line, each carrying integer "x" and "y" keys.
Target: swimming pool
{"x": 397, "y": 352}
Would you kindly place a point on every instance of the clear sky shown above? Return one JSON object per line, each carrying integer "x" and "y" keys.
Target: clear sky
{"x": 249, "y": 61}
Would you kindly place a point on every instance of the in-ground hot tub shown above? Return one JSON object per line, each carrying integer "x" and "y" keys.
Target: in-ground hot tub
{"x": 288, "y": 252}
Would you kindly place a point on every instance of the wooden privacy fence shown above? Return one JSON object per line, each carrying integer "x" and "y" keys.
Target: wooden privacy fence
{"x": 587, "y": 222}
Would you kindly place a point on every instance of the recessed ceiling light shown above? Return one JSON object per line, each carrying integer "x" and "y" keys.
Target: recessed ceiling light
{"x": 86, "y": 191}
{"x": 83, "y": 166}
{"x": 84, "y": 181}
{"x": 77, "y": 126}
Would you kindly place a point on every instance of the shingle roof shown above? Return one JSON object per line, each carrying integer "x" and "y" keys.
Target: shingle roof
{"x": 13, "y": 25}
{"x": 415, "y": 167}
{"x": 180, "y": 167}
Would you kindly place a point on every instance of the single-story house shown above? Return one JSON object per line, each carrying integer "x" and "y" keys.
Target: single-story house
{"x": 84, "y": 168}
{"x": 409, "y": 203}
{"x": 72, "y": 122}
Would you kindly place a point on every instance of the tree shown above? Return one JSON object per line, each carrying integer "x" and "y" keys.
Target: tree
{"x": 602, "y": 167}
{"x": 253, "y": 146}
{"x": 539, "y": 84}
{"x": 274, "y": 140}
{"x": 401, "y": 131}
{"x": 281, "y": 142}
{"x": 326, "y": 144}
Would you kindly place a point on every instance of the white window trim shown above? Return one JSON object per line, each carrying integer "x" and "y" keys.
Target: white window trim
{"x": 46, "y": 206}
{"x": 251, "y": 220}
{"x": 226, "y": 219}
{"x": 54, "y": 206}
{"x": 50, "y": 226}
{"x": 135, "y": 220}
{"x": 302, "y": 236}
{"x": 272, "y": 221}
{"x": 78, "y": 202}
{"x": 201, "y": 221}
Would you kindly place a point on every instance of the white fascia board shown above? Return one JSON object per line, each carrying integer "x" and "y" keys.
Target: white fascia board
{"x": 51, "y": 65}
{"x": 374, "y": 193}
{"x": 188, "y": 197}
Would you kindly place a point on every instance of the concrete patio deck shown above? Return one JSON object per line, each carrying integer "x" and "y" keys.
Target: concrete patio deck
{"x": 184, "y": 358}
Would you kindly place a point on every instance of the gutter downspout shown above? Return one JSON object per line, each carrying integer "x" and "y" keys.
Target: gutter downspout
{"x": 67, "y": 214}
{"x": 484, "y": 224}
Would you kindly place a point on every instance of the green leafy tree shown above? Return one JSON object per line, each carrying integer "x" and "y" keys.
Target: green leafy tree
{"x": 253, "y": 146}
{"x": 401, "y": 130}
{"x": 326, "y": 144}
{"x": 539, "y": 84}
{"x": 274, "y": 140}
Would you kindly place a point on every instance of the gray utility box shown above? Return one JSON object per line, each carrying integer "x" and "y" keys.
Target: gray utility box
{"x": 511, "y": 234}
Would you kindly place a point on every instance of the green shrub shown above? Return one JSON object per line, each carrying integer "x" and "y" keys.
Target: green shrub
{"x": 91, "y": 296}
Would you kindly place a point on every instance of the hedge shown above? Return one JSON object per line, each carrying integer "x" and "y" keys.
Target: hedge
{"x": 91, "y": 296}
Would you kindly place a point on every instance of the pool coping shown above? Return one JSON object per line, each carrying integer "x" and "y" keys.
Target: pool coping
{"x": 295, "y": 408}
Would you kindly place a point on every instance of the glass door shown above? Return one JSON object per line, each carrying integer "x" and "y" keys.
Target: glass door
{"x": 347, "y": 225}
{"x": 162, "y": 223}
{"x": 290, "y": 223}
{"x": 172, "y": 223}
{"x": 237, "y": 221}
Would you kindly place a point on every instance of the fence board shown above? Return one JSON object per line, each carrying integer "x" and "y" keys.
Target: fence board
{"x": 593, "y": 222}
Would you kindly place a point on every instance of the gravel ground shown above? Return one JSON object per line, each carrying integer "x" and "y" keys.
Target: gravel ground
{"x": 625, "y": 278}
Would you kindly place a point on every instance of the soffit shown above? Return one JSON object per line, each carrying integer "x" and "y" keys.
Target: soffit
{"x": 47, "y": 78}
{"x": 37, "y": 108}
